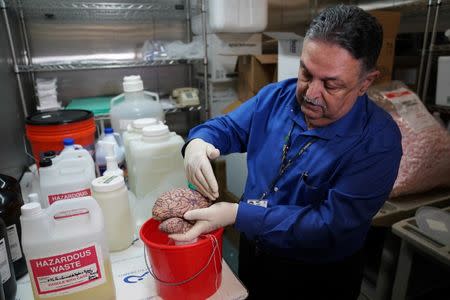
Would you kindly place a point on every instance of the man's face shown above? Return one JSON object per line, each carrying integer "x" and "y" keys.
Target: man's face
{"x": 329, "y": 82}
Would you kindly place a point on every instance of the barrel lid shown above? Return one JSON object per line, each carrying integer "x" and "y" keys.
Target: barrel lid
{"x": 59, "y": 117}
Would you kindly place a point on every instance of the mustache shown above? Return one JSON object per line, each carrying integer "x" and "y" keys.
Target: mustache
{"x": 315, "y": 101}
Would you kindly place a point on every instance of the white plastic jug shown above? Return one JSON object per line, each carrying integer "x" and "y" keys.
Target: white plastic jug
{"x": 158, "y": 167}
{"x": 101, "y": 151}
{"x": 134, "y": 132}
{"x": 66, "y": 250}
{"x": 66, "y": 176}
{"x": 134, "y": 103}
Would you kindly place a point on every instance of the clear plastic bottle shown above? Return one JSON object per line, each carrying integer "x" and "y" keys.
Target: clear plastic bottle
{"x": 101, "y": 151}
{"x": 66, "y": 250}
{"x": 111, "y": 194}
{"x": 134, "y": 103}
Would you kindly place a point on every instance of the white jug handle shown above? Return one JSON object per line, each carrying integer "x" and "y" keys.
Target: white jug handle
{"x": 119, "y": 139}
{"x": 63, "y": 209}
{"x": 154, "y": 95}
{"x": 115, "y": 99}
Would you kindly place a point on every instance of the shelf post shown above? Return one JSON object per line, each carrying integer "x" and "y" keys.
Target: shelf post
{"x": 205, "y": 59}
{"x": 14, "y": 58}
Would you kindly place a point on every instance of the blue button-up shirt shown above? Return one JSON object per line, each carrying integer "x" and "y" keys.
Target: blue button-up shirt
{"x": 321, "y": 208}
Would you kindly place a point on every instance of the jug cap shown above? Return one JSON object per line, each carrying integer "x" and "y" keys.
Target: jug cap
{"x": 155, "y": 130}
{"x": 68, "y": 141}
{"x": 31, "y": 209}
{"x": 108, "y": 183}
{"x": 45, "y": 162}
{"x": 144, "y": 122}
{"x": 133, "y": 83}
{"x": 108, "y": 130}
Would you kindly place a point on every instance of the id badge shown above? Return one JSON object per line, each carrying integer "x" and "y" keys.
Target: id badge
{"x": 262, "y": 203}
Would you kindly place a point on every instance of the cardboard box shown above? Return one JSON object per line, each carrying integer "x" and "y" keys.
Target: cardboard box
{"x": 254, "y": 72}
{"x": 289, "y": 49}
{"x": 232, "y": 106}
{"x": 223, "y": 52}
{"x": 443, "y": 81}
{"x": 390, "y": 21}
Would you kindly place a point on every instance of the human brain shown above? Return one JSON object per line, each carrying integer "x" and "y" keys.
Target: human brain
{"x": 171, "y": 206}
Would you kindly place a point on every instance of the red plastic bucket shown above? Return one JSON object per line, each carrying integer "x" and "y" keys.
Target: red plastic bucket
{"x": 46, "y": 131}
{"x": 192, "y": 271}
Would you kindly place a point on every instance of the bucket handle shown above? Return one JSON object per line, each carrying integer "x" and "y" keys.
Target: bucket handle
{"x": 215, "y": 247}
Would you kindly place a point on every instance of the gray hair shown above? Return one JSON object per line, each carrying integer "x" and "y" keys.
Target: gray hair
{"x": 351, "y": 28}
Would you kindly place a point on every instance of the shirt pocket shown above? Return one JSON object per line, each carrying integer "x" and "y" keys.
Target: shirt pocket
{"x": 313, "y": 190}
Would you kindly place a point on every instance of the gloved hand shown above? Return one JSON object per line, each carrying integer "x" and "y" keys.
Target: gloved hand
{"x": 198, "y": 167}
{"x": 218, "y": 215}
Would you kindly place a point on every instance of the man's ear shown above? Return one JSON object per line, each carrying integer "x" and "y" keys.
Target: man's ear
{"x": 370, "y": 78}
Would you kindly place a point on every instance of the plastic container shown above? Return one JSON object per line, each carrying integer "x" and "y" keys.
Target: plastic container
{"x": 101, "y": 151}
{"x": 239, "y": 16}
{"x": 134, "y": 132}
{"x": 134, "y": 103}
{"x": 6, "y": 265}
{"x": 157, "y": 167}
{"x": 67, "y": 240}
{"x": 98, "y": 105}
{"x": 11, "y": 196}
{"x": 111, "y": 194}
{"x": 66, "y": 176}
{"x": 191, "y": 271}
{"x": 45, "y": 131}
{"x": 435, "y": 223}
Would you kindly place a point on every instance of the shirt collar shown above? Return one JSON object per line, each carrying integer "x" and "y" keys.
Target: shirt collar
{"x": 349, "y": 125}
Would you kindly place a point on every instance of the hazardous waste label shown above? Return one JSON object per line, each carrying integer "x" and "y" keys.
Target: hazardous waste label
{"x": 65, "y": 196}
{"x": 69, "y": 272}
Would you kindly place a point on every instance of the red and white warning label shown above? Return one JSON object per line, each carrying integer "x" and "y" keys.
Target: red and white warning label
{"x": 69, "y": 272}
{"x": 65, "y": 196}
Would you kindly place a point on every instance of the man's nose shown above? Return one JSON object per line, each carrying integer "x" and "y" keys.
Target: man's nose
{"x": 313, "y": 90}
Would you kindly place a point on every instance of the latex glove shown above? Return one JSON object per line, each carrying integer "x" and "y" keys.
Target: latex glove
{"x": 197, "y": 165}
{"x": 218, "y": 215}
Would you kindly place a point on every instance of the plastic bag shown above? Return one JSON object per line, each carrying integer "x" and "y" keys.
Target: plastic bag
{"x": 426, "y": 144}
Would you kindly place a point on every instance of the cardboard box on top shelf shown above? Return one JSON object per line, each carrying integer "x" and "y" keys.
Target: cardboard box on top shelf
{"x": 390, "y": 21}
{"x": 223, "y": 52}
{"x": 289, "y": 49}
{"x": 257, "y": 71}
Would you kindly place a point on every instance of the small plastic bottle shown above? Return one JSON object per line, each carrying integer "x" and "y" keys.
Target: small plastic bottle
{"x": 112, "y": 196}
{"x": 101, "y": 152}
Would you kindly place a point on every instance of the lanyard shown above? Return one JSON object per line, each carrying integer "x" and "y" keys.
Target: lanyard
{"x": 286, "y": 164}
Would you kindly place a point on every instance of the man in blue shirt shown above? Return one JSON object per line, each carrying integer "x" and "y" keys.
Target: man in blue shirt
{"x": 322, "y": 158}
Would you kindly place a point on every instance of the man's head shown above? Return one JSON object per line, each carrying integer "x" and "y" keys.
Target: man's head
{"x": 337, "y": 63}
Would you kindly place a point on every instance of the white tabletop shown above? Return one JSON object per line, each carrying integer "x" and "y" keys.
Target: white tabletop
{"x": 133, "y": 282}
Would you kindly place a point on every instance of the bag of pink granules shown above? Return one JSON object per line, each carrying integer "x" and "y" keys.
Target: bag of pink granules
{"x": 426, "y": 143}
